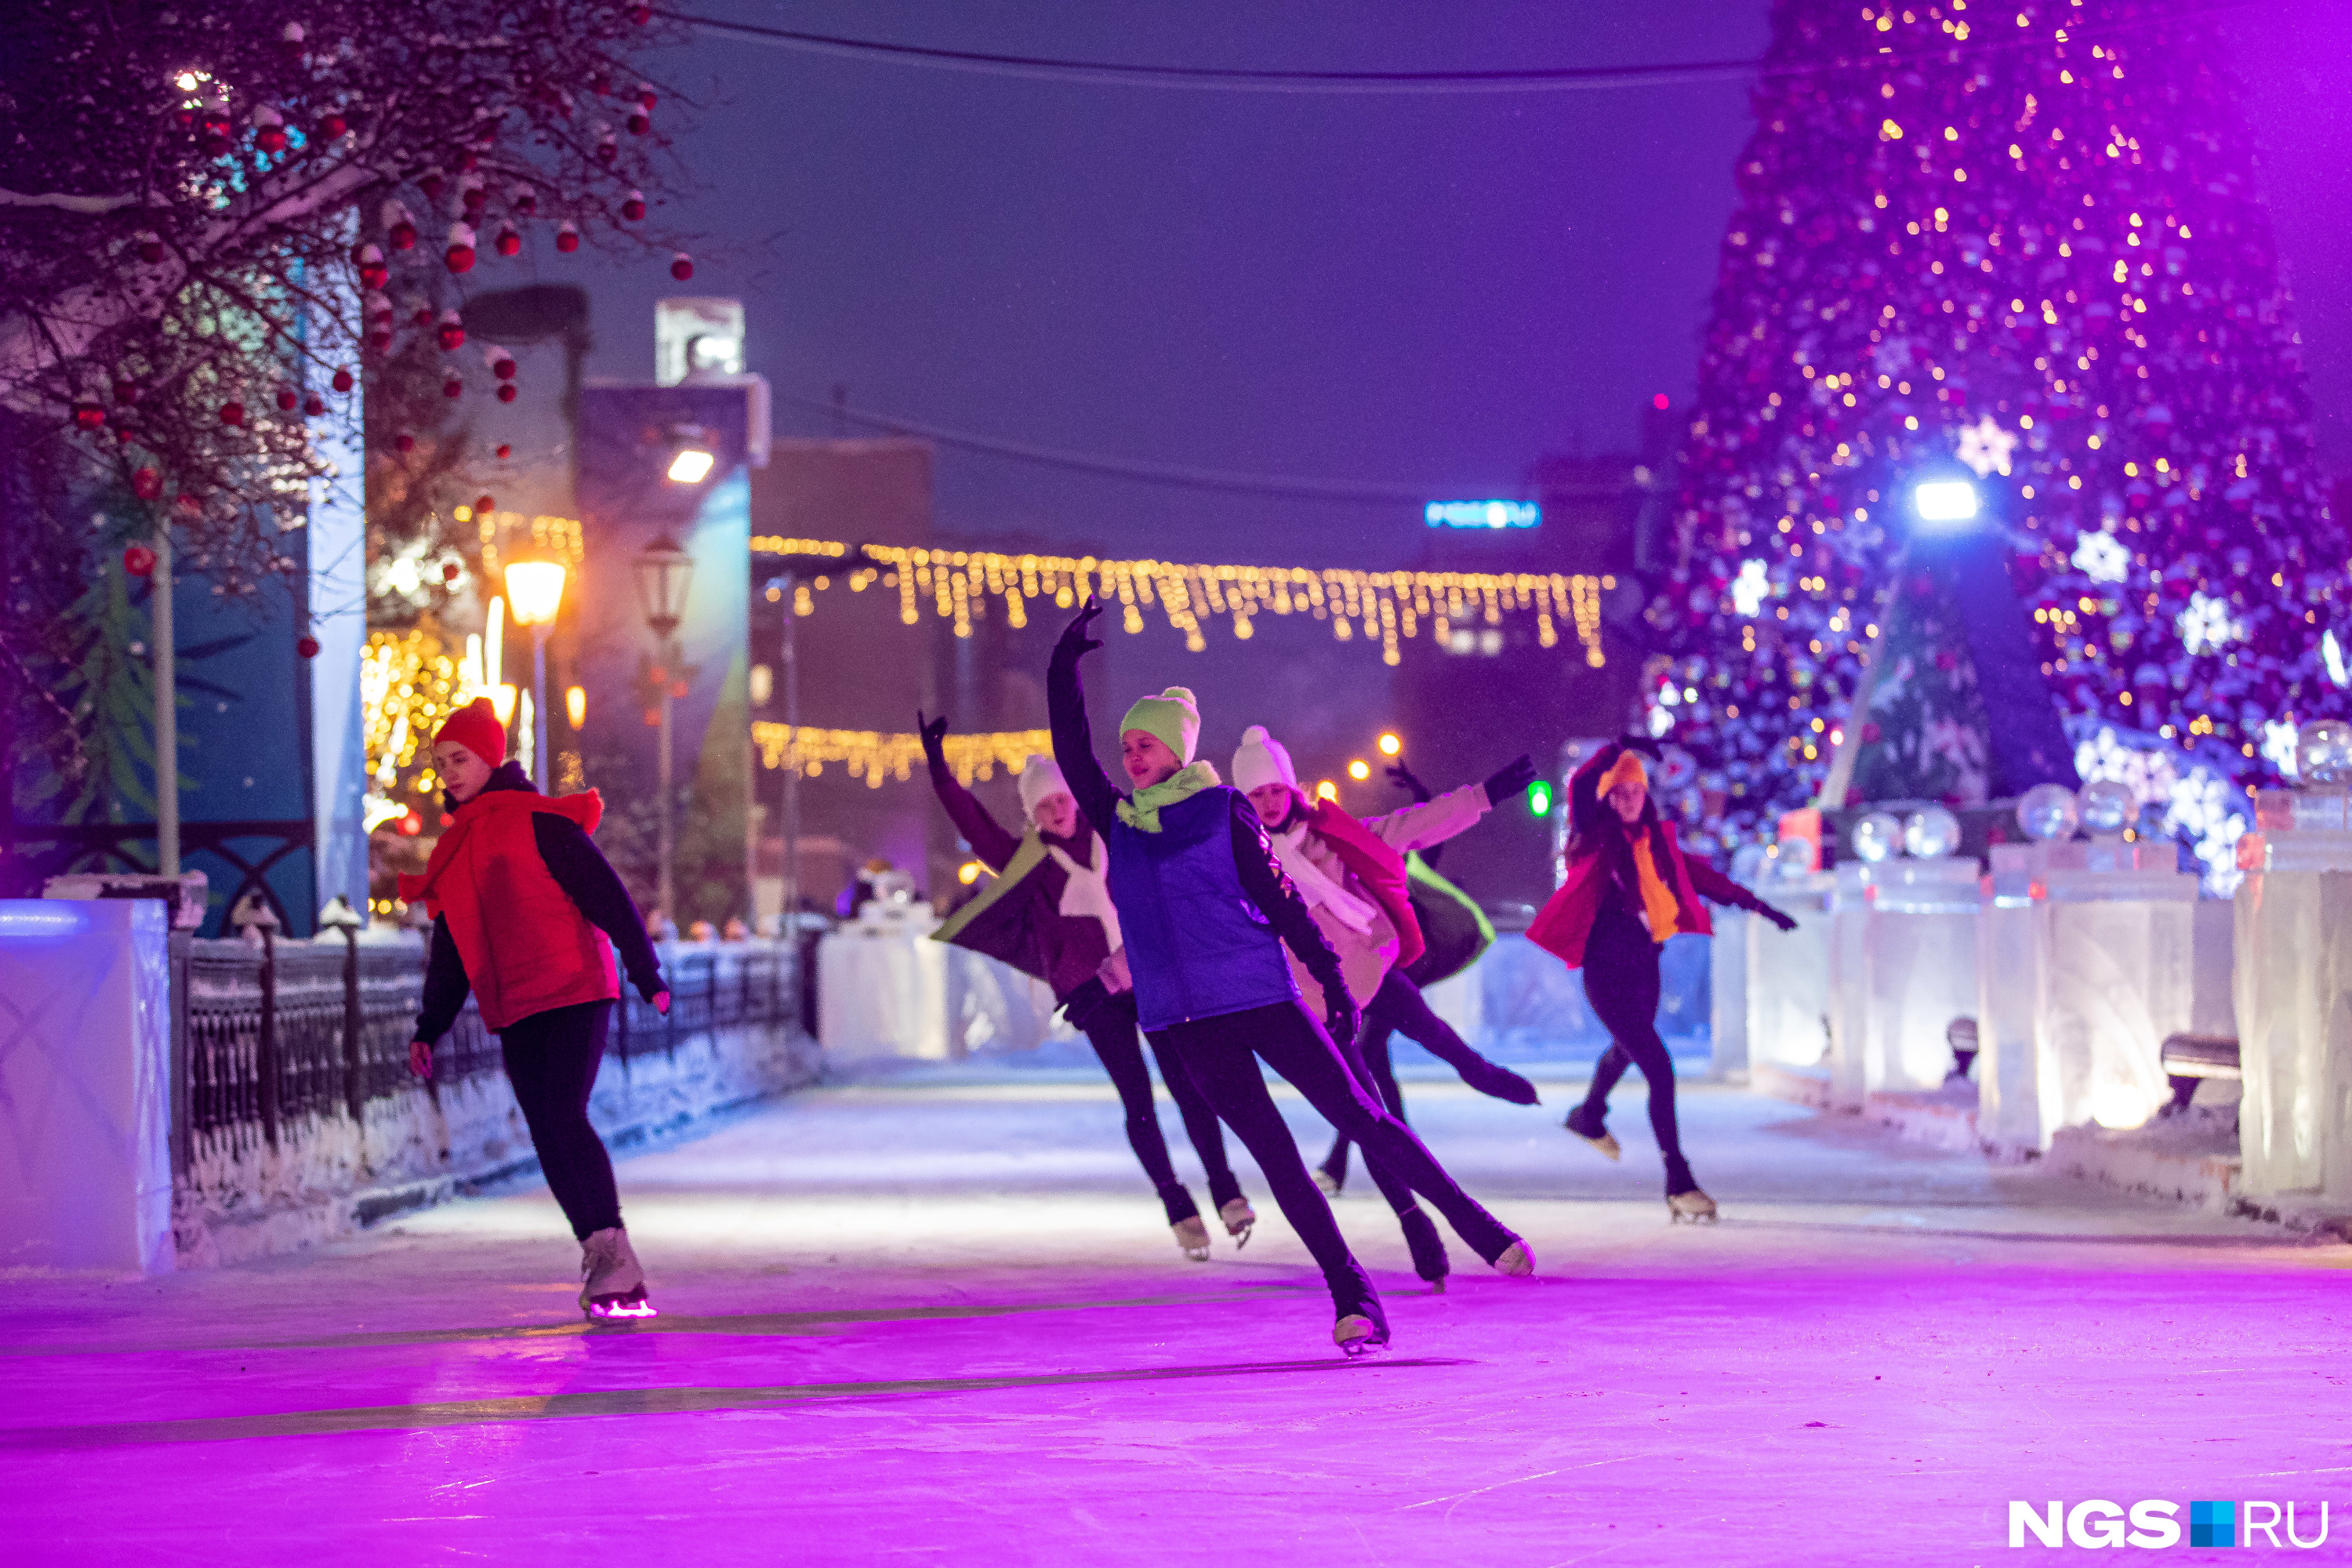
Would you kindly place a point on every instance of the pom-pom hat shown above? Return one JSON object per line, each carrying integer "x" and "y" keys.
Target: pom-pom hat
{"x": 1262, "y": 760}
{"x": 476, "y": 727}
{"x": 1040, "y": 777}
{"x": 1172, "y": 716}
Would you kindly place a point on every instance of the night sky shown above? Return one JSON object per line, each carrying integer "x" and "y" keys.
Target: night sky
{"x": 1429, "y": 290}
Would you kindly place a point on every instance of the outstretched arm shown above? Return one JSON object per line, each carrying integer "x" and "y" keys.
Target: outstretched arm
{"x": 1073, "y": 740}
{"x": 987, "y": 837}
{"x": 1709, "y": 883}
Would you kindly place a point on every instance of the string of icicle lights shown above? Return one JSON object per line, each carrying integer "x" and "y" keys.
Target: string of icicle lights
{"x": 1379, "y": 606}
{"x": 875, "y": 755}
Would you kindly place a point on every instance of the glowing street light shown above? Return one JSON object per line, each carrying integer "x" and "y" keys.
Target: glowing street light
{"x": 1945, "y": 503}
{"x": 1327, "y": 790}
{"x": 575, "y": 705}
{"x": 1360, "y": 769}
{"x": 690, "y": 466}
{"x": 1390, "y": 743}
{"x": 535, "y": 593}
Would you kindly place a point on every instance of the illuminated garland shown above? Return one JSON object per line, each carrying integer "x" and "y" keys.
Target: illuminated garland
{"x": 872, "y": 754}
{"x": 559, "y": 538}
{"x": 1382, "y": 606}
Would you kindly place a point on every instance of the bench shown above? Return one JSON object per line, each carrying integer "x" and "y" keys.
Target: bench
{"x": 2190, "y": 1058}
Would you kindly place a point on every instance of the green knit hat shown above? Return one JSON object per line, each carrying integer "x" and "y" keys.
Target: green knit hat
{"x": 1172, "y": 716}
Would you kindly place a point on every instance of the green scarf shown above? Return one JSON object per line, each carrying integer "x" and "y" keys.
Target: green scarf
{"x": 1027, "y": 857}
{"x": 1142, "y": 810}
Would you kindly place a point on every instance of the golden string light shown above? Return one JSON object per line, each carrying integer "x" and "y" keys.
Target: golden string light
{"x": 1385, "y": 607}
{"x": 874, "y": 754}
{"x": 557, "y": 538}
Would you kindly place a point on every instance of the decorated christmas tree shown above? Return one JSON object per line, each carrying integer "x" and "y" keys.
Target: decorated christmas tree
{"x": 2024, "y": 237}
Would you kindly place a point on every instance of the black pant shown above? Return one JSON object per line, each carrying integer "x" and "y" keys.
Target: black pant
{"x": 1222, "y": 1054}
{"x": 1622, "y": 983}
{"x": 551, "y": 1060}
{"x": 1108, "y": 1023}
{"x": 1398, "y": 1007}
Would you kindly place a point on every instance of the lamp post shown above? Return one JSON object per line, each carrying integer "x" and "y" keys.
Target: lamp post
{"x": 535, "y": 592}
{"x": 664, "y": 574}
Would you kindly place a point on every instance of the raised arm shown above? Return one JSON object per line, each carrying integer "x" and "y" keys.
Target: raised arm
{"x": 1074, "y": 741}
{"x": 987, "y": 838}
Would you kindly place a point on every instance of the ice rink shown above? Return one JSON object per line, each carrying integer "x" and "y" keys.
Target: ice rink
{"x": 937, "y": 1319}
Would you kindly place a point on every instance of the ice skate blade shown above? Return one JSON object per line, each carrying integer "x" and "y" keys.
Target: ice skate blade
{"x": 1238, "y": 1217}
{"x": 1690, "y": 1208}
{"x": 1357, "y": 1335}
{"x": 1516, "y": 1260}
{"x": 1325, "y": 1183}
{"x": 1192, "y": 1238}
{"x": 1607, "y": 1145}
{"x": 628, "y": 1305}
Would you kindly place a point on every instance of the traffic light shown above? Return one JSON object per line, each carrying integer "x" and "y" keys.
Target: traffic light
{"x": 1540, "y": 798}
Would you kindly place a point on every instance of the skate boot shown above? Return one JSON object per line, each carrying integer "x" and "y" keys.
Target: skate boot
{"x": 1493, "y": 1079}
{"x": 1429, "y": 1259}
{"x": 1238, "y": 1217}
{"x": 1329, "y": 1184}
{"x": 1692, "y": 1205}
{"x": 1362, "y": 1328}
{"x": 1517, "y": 1260}
{"x": 612, "y": 1284}
{"x": 1587, "y": 1125}
{"x": 1193, "y": 1238}
{"x": 1684, "y": 1199}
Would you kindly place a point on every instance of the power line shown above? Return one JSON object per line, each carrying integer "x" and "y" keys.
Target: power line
{"x": 1356, "y": 491}
{"x": 1559, "y": 78}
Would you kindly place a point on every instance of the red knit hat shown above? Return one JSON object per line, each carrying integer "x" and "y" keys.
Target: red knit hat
{"x": 476, "y": 727}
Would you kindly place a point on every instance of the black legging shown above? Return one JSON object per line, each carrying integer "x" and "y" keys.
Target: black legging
{"x": 1108, "y": 1023}
{"x": 1622, "y": 983}
{"x": 1220, "y": 1054}
{"x": 551, "y": 1060}
{"x": 1398, "y": 1007}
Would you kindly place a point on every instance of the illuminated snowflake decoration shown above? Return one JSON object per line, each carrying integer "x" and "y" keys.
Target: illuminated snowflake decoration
{"x": 2101, "y": 557}
{"x": 1750, "y": 588}
{"x": 2278, "y": 747}
{"x": 1986, "y": 446}
{"x": 2331, "y": 653}
{"x": 2207, "y": 623}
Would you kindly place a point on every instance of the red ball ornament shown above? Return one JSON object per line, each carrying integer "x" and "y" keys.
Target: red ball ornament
{"x": 232, "y": 413}
{"x": 641, "y": 15}
{"x": 139, "y": 561}
{"x": 373, "y": 273}
{"x": 452, "y": 330}
{"x": 486, "y": 503}
{"x": 608, "y": 151}
{"x": 647, "y": 97}
{"x": 340, "y": 381}
{"x": 87, "y": 414}
{"x": 331, "y": 127}
{"x": 147, "y": 484}
{"x": 503, "y": 368}
{"x": 682, "y": 266}
{"x": 380, "y": 339}
{"x": 424, "y": 315}
{"x": 509, "y": 242}
{"x": 314, "y": 406}
{"x": 507, "y": 392}
{"x": 151, "y": 250}
{"x": 404, "y": 442}
{"x": 524, "y": 201}
{"x": 632, "y": 206}
{"x": 287, "y": 399}
{"x": 460, "y": 253}
{"x": 567, "y": 240}
{"x": 126, "y": 391}
{"x": 505, "y": 451}
{"x": 307, "y": 645}
{"x": 639, "y": 122}
{"x": 453, "y": 388}
{"x": 268, "y": 130}
{"x": 451, "y": 571}
{"x": 433, "y": 181}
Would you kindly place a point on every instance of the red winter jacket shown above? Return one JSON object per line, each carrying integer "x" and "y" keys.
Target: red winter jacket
{"x": 1561, "y": 926}
{"x": 526, "y": 945}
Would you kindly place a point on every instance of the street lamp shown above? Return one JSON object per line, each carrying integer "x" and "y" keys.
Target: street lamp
{"x": 664, "y": 574}
{"x": 1944, "y": 504}
{"x": 534, "y": 593}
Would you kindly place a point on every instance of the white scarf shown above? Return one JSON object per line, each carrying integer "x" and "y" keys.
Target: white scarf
{"x": 1085, "y": 893}
{"x": 1316, "y": 885}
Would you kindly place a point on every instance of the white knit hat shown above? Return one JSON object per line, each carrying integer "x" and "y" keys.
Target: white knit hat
{"x": 1040, "y": 776}
{"x": 1262, "y": 760}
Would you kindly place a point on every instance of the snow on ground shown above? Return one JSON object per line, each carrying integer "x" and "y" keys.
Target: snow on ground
{"x": 936, "y": 1318}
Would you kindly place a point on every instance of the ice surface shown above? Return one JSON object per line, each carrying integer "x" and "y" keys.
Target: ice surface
{"x": 938, "y": 1319}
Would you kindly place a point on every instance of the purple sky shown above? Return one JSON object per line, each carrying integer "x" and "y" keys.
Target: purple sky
{"x": 1423, "y": 289}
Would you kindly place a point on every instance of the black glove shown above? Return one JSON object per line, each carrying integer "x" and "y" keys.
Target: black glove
{"x": 1786, "y": 923}
{"x": 934, "y": 732}
{"x": 1405, "y": 779}
{"x": 1076, "y": 639}
{"x": 1340, "y": 1017}
{"x": 1511, "y": 779}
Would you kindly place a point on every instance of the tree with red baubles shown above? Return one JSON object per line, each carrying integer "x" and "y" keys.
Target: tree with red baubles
{"x": 2028, "y": 239}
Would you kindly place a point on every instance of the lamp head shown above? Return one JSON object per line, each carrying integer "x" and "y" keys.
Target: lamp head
{"x": 1945, "y": 503}
{"x": 534, "y": 591}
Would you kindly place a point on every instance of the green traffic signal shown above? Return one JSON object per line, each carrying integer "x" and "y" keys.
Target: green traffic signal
{"x": 1540, "y": 798}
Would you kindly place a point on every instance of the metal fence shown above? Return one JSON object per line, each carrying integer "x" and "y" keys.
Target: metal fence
{"x": 288, "y": 1030}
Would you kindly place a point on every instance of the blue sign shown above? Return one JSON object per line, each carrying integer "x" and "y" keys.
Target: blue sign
{"x": 1483, "y": 514}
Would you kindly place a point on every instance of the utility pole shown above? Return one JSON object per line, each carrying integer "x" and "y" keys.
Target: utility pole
{"x": 167, "y": 712}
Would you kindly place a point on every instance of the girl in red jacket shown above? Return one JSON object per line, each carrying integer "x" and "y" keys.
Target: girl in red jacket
{"x": 523, "y": 903}
{"x": 1629, "y": 888}
{"x": 1048, "y": 913}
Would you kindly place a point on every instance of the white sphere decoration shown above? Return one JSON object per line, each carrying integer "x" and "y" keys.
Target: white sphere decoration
{"x": 1931, "y": 833}
{"x": 1877, "y": 837}
{"x": 2323, "y": 751}
{"x": 1793, "y": 856}
{"x": 2048, "y": 812}
{"x": 2108, "y": 807}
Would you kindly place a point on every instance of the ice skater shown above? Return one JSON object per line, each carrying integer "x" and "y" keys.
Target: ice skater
{"x": 1629, "y": 888}
{"x": 1351, "y": 873}
{"x": 1454, "y": 931}
{"x": 523, "y": 903}
{"x": 1049, "y": 914}
{"x": 1205, "y": 910}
